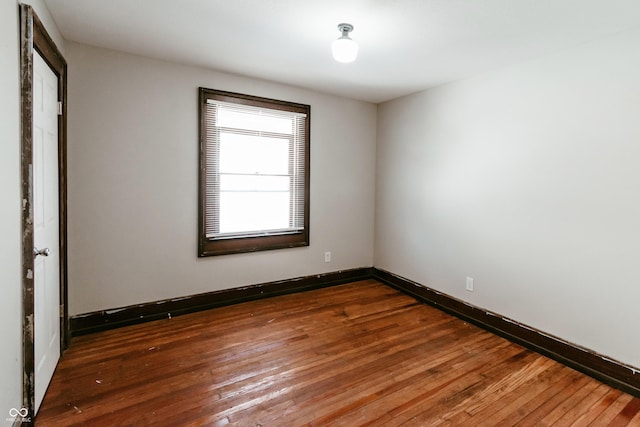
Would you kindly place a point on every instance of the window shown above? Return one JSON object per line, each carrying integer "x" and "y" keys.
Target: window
{"x": 254, "y": 173}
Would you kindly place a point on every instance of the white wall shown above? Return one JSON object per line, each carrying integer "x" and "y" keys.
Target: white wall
{"x": 133, "y": 170}
{"x": 527, "y": 180}
{"x": 10, "y": 267}
{"x": 10, "y": 213}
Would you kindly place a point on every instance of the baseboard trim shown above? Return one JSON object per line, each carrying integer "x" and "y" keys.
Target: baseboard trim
{"x": 123, "y": 316}
{"x": 611, "y": 372}
{"x": 606, "y": 370}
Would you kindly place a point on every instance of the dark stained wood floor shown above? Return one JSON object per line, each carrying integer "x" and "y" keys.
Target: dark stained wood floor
{"x": 350, "y": 355}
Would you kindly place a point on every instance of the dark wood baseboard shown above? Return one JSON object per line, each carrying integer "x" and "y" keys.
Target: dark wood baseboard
{"x": 610, "y": 372}
{"x": 114, "y": 318}
{"x": 604, "y": 369}
{"x": 351, "y": 355}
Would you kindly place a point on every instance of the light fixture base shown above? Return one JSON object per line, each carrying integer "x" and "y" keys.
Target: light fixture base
{"x": 345, "y": 28}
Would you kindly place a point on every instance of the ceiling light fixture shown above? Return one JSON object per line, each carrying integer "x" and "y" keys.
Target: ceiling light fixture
{"x": 344, "y": 49}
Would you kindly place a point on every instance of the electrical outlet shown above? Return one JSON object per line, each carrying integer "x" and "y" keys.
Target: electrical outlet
{"x": 327, "y": 257}
{"x": 469, "y": 284}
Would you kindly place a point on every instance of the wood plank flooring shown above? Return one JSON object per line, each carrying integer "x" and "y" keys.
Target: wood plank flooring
{"x": 349, "y": 355}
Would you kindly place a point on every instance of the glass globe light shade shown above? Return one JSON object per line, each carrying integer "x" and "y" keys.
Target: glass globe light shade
{"x": 344, "y": 49}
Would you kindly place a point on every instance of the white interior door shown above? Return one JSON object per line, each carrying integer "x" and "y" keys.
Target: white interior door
{"x": 46, "y": 226}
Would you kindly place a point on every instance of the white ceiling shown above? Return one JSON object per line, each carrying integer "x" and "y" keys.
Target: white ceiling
{"x": 405, "y": 45}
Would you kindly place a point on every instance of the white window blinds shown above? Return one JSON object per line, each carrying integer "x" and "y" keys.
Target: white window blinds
{"x": 255, "y": 170}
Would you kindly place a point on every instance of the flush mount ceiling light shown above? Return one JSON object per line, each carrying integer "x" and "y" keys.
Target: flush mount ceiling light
{"x": 344, "y": 49}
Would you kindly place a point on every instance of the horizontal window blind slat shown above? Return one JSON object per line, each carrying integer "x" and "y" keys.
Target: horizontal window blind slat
{"x": 254, "y": 109}
{"x": 256, "y": 233}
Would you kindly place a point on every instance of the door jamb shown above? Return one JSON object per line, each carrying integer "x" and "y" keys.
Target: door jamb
{"x": 33, "y": 35}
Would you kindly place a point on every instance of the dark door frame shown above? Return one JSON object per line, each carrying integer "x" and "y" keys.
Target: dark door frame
{"x": 33, "y": 35}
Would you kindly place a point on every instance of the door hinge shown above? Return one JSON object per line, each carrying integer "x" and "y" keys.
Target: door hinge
{"x": 61, "y": 310}
{"x": 59, "y": 108}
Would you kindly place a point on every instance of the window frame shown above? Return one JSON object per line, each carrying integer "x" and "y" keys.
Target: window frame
{"x": 212, "y": 246}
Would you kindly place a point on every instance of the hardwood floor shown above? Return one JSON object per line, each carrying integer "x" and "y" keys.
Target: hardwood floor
{"x": 356, "y": 354}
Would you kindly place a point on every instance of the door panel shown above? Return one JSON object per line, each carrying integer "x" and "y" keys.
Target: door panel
{"x": 46, "y": 226}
